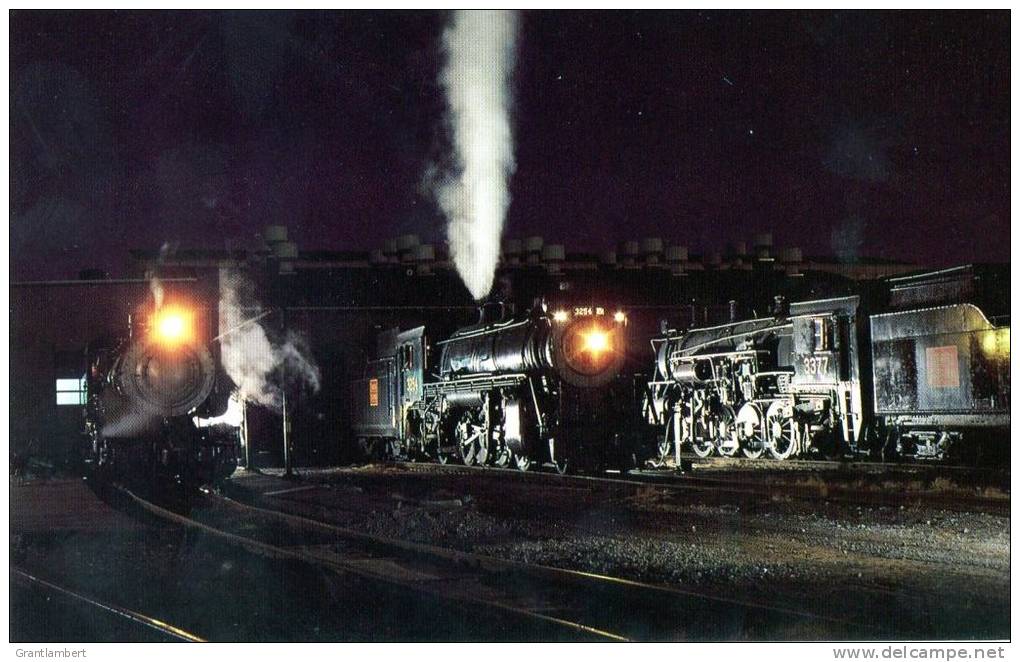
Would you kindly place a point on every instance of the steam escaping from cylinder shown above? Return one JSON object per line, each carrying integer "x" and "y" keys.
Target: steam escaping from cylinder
{"x": 261, "y": 366}
{"x": 477, "y": 78}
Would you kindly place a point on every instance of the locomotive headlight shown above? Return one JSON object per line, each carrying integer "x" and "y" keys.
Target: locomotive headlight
{"x": 561, "y": 316}
{"x": 589, "y": 349}
{"x": 172, "y": 326}
{"x": 619, "y": 317}
{"x": 596, "y": 341}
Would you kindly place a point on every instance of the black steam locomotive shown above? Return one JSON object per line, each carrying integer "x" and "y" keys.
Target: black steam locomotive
{"x": 544, "y": 387}
{"x": 920, "y": 368}
{"x": 152, "y": 399}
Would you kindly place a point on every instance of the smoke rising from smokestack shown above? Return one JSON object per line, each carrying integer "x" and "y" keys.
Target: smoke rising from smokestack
{"x": 261, "y": 368}
{"x": 480, "y": 52}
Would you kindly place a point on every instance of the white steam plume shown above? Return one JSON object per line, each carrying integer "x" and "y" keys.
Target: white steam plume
{"x": 155, "y": 284}
{"x": 480, "y": 51}
{"x": 260, "y": 368}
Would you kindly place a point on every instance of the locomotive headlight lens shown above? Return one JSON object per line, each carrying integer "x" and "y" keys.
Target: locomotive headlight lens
{"x": 560, "y": 316}
{"x": 596, "y": 341}
{"x": 619, "y": 317}
{"x": 589, "y": 347}
{"x": 172, "y": 326}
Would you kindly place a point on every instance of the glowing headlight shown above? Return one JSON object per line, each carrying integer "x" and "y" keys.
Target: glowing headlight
{"x": 995, "y": 342}
{"x": 596, "y": 341}
{"x": 172, "y": 326}
{"x": 619, "y": 317}
{"x": 560, "y": 316}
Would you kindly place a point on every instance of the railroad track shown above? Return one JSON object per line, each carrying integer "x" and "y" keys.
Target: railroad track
{"x": 89, "y": 602}
{"x": 543, "y": 602}
{"x": 845, "y": 464}
{"x": 746, "y": 487}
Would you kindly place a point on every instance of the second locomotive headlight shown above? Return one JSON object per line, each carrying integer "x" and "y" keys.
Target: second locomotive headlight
{"x": 588, "y": 346}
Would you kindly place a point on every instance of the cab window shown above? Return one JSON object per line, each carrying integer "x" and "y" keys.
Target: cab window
{"x": 822, "y": 335}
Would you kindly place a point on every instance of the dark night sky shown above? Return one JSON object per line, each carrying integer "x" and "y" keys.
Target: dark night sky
{"x": 868, "y": 133}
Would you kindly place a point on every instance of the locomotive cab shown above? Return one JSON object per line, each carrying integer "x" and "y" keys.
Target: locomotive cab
{"x": 826, "y": 396}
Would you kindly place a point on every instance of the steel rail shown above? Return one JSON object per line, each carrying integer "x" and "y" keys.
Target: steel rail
{"x": 129, "y": 614}
{"x": 551, "y": 573}
{"x": 717, "y": 485}
{"x": 274, "y": 551}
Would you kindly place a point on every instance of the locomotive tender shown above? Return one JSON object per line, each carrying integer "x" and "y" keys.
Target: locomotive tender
{"x": 512, "y": 391}
{"x": 145, "y": 394}
{"x": 913, "y": 375}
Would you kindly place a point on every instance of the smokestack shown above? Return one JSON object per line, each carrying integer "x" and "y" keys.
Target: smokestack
{"x": 763, "y": 246}
{"x": 553, "y": 257}
{"x": 405, "y": 245}
{"x": 512, "y": 251}
{"x": 791, "y": 259}
{"x": 676, "y": 259}
{"x": 286, "y": 252}
{"x": 629, "y": 252}
{"x": 424, "y": 255}
{"x": 651, "y": 249}
{"x": 480, "y": 52}
{"x": 533, "y": 250}
{"x": 274, "y": 234}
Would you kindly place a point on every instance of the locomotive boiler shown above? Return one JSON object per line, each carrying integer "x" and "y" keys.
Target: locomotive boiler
{"x": 146, "y": 396}
{"x": 508, "y": 391}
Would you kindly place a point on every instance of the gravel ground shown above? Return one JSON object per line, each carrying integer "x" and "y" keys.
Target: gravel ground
{"x": 920, "y": 570}
{"x": 944, "y": 573}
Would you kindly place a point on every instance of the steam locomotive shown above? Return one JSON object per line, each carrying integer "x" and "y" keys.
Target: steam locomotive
{"x": 151, "y": 401}
{"x": 919, "y": 369}
{"x": 513, "y": 390}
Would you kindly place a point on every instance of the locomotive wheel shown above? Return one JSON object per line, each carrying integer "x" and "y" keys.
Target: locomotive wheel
{"x": 470, "y": 440}
{"x": 891, "y": 449}
{"x": 694, "y": 428}
{"x": 502, "y": 457}
{"x": 727, "y": 439}
{"x": 782, "y": 430}
{"x": 751, "y": 431}
{"x": 702, "y": 447}
{"x": 369, "y": 448}
{"x": 394, "y": 450}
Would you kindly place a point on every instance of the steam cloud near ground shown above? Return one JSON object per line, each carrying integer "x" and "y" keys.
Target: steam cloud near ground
{"x": 260, "y": 366}
{"x": 480, "y": 49}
